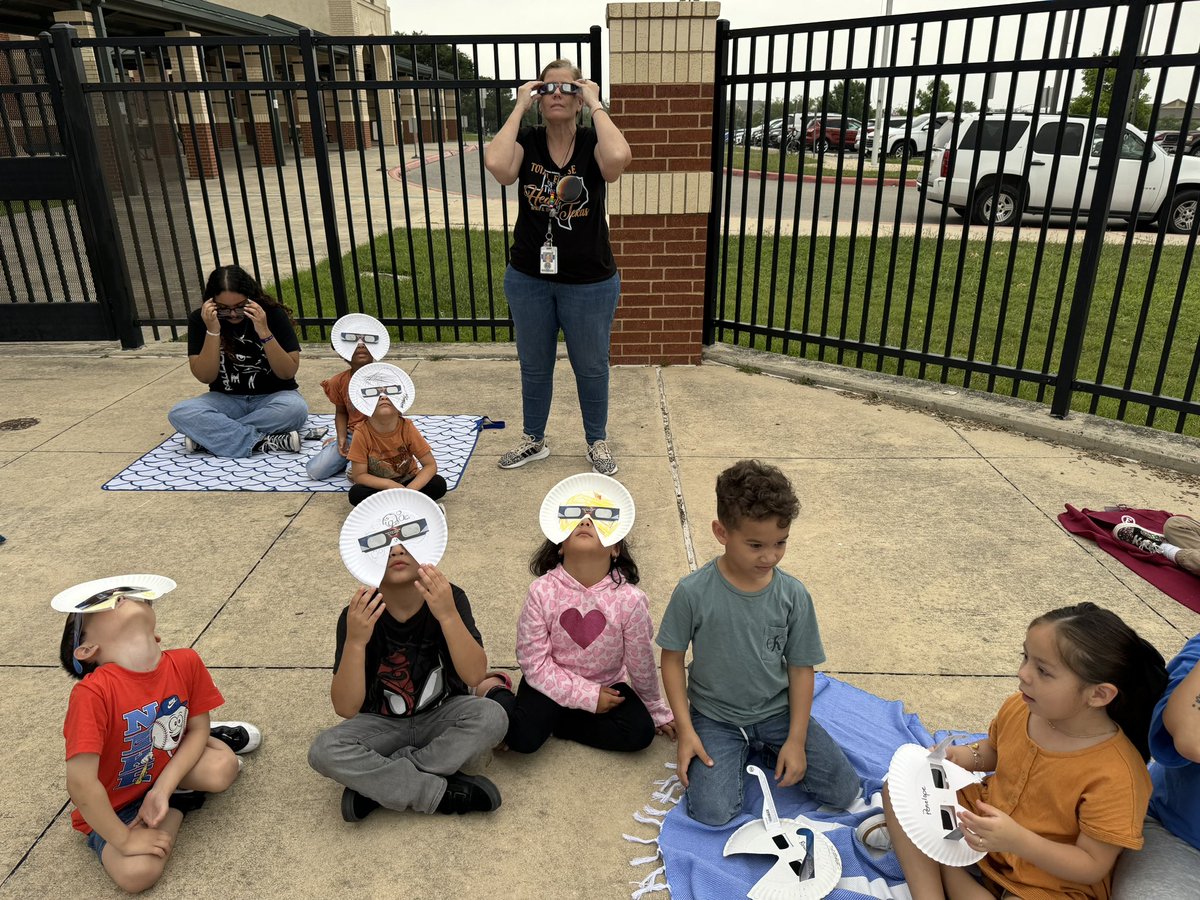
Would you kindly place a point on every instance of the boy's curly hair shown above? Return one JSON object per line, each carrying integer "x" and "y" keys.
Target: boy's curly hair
{"x": 754, "y": 490}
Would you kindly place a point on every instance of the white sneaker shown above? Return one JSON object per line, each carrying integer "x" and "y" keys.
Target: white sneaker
{"x": 190, "y": 446}
{"x": 240, "y": 737}
{"x": 529, "y": 450}
{"x": 601, "y": 459}
{"x": 872, "y": 832}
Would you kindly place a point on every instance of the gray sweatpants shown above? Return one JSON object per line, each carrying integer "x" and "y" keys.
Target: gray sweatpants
{"x": 402, "y": 763}
{"x": 1166, "y": 868}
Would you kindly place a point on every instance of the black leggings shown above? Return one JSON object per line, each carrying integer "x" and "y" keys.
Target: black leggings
{"x": 434, "y": 489}
{"x": 533, "y": 717}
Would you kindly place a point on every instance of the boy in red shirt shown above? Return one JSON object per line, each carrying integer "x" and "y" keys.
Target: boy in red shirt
{"x": 138, "y": 730}
{"x": 388, "y": 451}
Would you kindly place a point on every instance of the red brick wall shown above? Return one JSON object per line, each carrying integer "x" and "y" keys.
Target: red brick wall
{"x": 668, "y": 126}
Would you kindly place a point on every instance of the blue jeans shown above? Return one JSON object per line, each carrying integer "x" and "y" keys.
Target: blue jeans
{"x": 126, "y": 814}
{"x": 585, "y": 314}
{"x": 714, "y": 796}
{"x": 231, "y": 424}
{"x": 328, "y": 461}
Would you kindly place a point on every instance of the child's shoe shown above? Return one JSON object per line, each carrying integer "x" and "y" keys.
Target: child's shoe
{"x": 529, "y": 450}
{"x": 187, "y": 801}
{"x": 468, "y": 793}
{"x": 190, "y": 446}
{"x": 601, "y": 458}
{"x": 281, "y": 442}
{"x": 872, "y": 832}
{"x": 1143, "y": 538}
{"x": 240, "y": 737}
{"x": 356, "y": 807}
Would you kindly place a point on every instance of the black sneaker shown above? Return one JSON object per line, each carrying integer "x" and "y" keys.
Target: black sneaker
{"x": 356, "y": 807}
{"x": 187, "y": 801}
{"x": 1143, "y": 538}
{"x": 529, "y": 450}
{"x": 240, "y": 737}
{"x": 282, "y": 442}
{"x": 468, "y": 793}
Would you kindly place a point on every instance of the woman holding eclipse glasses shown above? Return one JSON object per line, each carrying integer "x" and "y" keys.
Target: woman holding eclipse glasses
{"x": 561, "y": 271}
{"x": 241, "y": 344}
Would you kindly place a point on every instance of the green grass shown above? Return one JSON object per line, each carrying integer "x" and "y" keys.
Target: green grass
{"x": 17, "y": 208}
{"x": 1029, "y": 317}
{"x": 398, "y": 290}
{"x": 828, "y": 166}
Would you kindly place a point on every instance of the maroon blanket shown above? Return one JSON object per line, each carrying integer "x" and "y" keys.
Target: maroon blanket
{"x": 1097, "y": 525}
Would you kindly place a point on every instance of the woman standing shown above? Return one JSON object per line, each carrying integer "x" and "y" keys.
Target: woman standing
{"x": 561, "y": 271}
{"x": 241, "y": 344}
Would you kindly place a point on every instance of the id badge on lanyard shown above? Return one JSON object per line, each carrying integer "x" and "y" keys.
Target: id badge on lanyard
{"x": 549, "y": 256}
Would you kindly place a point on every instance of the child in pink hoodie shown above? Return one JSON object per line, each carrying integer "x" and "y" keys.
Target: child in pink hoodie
{"x": 584, "y": 643}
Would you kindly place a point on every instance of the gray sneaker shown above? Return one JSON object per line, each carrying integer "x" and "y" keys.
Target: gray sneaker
{"x": 1143, "y": 538}
{"x": 281, "y": 442}
{"x": 190, "y": 446}
{"x": 601, "y": 459}
{"x": 530, "y": 449}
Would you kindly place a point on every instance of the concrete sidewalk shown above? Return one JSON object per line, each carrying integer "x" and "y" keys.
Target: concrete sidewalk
{"x": 928, "y": 544}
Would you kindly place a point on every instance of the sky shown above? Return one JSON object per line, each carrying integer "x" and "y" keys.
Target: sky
{"x": 576, "y": 16}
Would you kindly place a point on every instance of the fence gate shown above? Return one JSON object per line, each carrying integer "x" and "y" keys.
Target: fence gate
{"x": 62, "y": 270}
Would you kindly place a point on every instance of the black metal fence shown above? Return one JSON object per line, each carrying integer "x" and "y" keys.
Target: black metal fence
{"x": 345, "y": 173}
{"x": 981, "y": 252}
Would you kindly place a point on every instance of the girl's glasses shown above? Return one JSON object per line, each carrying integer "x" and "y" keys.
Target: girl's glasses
{"x": 355, "y": 336}
{"x": 566, "y": 87}
{"x": 391, "y": 390}
{"x": 598, "y": 513}
{"x": 404, "y": 531}
{"x": 228, "y": 312}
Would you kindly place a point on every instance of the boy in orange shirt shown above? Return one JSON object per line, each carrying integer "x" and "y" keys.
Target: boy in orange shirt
{"x": 388, "y": 451}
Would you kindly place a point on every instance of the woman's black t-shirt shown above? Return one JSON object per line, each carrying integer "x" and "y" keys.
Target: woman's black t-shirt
{"x": 244, "y": 367}
{"x": 579, "y": 229}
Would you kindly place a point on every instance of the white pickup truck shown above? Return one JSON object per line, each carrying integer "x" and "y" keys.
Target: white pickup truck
{"x": 1030, "y": 188}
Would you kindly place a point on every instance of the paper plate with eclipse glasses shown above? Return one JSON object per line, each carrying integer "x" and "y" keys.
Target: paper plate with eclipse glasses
{"x": 602, "y": 499}
{"x": 924, "y": 787}
{"x": 103, "y": 593}
{"x": 398, "y": 516}
{"x": 355, "y": 327}
{"x": 376, "y": 380}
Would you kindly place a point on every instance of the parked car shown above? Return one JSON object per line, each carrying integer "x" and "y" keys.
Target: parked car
{"x": 890, "y": 126}
{"x": 833, "y": 132}
{"x": 1169, "y": 141}
{"x": 755, "y": 135}
{"x": 1005, "y": 192}
{"x": 911, "y": 139}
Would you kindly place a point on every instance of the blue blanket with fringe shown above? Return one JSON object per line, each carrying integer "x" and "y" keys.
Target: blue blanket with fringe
{"x": 869, "y": 729}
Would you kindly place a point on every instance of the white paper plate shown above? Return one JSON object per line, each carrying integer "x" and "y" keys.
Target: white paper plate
{"x": 918, "y": 804}
{"x": 380, "y": 375}
{"x": 151, "y": 586}
{"x": 782, "y": 885}
{"x": 359, "y": 323}
{"x": 587, "y": 489}
{"x": 388, "y": 509}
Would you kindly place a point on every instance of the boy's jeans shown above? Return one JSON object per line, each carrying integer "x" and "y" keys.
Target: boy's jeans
{"x": 714, "y": 796}
{"x": 585, "y": 313}
{"x": 230, "y": 425}
{"x": 328, "y": 461}
{"x": 402, "y": 763}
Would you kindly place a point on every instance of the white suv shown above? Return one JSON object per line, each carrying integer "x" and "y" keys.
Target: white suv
{"x": 916, "y": 142}
{"x": 1023, "y": 189}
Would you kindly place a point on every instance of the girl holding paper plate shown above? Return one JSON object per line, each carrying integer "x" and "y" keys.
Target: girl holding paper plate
{"x": 584, "y": 634}
{"x": 1069, "y": 788}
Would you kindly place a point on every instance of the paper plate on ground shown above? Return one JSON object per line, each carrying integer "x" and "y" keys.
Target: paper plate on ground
{"x": 347, "y": 329}
{"x": 782, "y": 881}
{"x": 602, "y": 499}
{"x": 398, "y": 516}
{"x": 924, "y": 788}
{"x": 103, "y": 593}
{"x": 375, "y": 380}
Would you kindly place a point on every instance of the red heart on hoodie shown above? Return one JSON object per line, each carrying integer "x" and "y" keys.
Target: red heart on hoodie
{"x": 583, "y": 629}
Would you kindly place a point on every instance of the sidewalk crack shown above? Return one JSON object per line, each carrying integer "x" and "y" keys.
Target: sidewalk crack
{"x": 673, "y": 463}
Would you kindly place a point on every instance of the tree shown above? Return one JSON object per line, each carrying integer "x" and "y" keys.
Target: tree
{"x": 444, "y": 61}
{"x": 1082, "y": 105}
{"x": 925, "y": 99}
{"x": 850, "y": 99}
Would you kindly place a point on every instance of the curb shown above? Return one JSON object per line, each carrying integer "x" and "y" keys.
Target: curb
{"x": 1162, "y": 449}
{"x": 394, "y": 171}
{"x": 792, "y": 176}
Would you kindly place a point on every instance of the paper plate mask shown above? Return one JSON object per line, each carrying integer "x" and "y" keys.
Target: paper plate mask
{"x": 376, "y": 380}
{"x": 924, "y": 787}
{"x": 398, "y": 516}
{"x": 350, "y": 329}
{"x": 103, "y": 593}
{"x": 808, "y": 865}
{"x": 602, "y": 499}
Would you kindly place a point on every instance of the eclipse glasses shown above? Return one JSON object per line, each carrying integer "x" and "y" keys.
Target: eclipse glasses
{"x": 597, "y": 513}
{"x": 413, "y": 528}
{"x": 569, "y": 88}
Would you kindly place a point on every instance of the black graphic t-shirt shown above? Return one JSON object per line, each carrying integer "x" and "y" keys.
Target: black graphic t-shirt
{"x": 579, "y": 229}
{"x": 408, "y": 664}
{"x": 244, "y": 366}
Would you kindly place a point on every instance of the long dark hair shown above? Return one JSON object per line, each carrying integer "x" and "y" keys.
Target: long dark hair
{"x": 1099, "y": 647}
{"x": 620, "y": 568}
{"x": 239, "y": 281}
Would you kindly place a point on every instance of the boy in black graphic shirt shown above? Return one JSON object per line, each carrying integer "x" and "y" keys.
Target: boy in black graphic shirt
{"x": 405, "y": 655}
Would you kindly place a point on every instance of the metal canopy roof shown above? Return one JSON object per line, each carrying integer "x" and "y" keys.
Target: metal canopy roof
{"x": 127, "y": 18}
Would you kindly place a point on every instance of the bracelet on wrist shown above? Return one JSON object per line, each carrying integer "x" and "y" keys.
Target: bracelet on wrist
{"x": 212, "y": 333}
{"x": 267, "y": 339}
{"x": 975, "y": 758}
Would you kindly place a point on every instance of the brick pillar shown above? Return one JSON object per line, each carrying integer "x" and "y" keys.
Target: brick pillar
{"x": 662, "y": 69}
{"x": 259, "y": 119}
{"x": 195, "y": 129}
{"x": 158, "y": 112}
{"x": 300, "y": 106}
{"x": 352, "y": 107}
